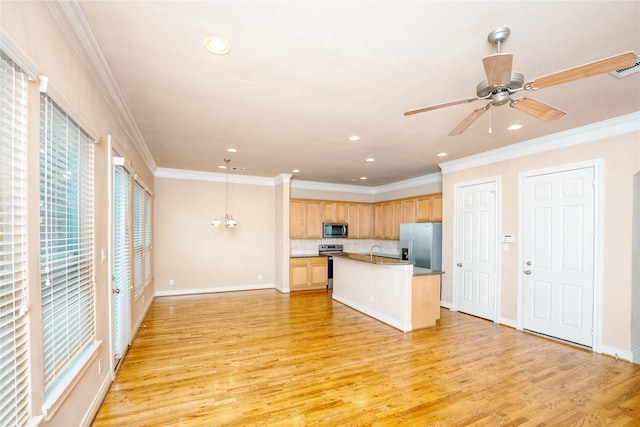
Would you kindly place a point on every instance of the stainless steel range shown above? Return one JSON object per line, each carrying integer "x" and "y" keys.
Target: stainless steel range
{"x": 326, "y": 249}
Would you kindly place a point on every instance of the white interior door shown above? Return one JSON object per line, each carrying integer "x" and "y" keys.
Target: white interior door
{"x": 558, "y": 254}
{"x": 476, "y": 238}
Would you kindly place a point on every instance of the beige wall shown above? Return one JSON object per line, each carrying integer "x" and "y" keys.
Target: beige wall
{"x": 370, "y": 194}
{"x": 31, "y": 26}
{"x": 621, "y": 156}
{"x": 201, "y": 258}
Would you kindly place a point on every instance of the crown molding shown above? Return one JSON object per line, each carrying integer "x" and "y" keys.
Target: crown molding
{"x": 325, "y": 186}
{"x": 73, "y": 22}
{"x": 580, "y": 135}
{"x": 433, "y": 178}
{"x": 213, "y": 177}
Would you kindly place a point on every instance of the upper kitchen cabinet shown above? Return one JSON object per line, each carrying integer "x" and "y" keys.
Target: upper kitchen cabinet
{"x": 335, "y": 212}
{"x": 360, "y": 220}
{"x": 305, "y": 219}
{"x": 429, "y": 208}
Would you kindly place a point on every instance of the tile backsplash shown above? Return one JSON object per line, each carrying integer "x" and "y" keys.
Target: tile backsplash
{"x": 310, "y": 247}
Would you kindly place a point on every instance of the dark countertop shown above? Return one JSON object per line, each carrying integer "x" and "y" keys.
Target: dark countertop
{"x": 375, "y": 259}
{"x": 387, "y": 260}
{"x": 419, "y": 271}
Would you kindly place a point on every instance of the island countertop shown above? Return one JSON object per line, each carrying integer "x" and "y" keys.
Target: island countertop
{"x": 386, "y": 260}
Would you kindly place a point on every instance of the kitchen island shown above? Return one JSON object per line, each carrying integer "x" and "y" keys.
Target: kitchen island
{"x": 388, "y": 289}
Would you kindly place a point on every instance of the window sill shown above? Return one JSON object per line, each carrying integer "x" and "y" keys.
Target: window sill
{"x": 66, "y": 384}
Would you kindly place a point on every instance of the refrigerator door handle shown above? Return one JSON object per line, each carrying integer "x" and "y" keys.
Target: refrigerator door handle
{"x": 410, "y": 256}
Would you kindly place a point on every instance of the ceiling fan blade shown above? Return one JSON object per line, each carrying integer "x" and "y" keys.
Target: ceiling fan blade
{"x": 591, "y": 69}
{"x": 475, "y": 114}
{"x": 537, "y": 109}
{"x": 498, "y": 69}
{"x": 437, "y": 106}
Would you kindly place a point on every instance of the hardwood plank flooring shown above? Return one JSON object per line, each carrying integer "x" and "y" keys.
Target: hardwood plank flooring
{"x": 262, "y": 358}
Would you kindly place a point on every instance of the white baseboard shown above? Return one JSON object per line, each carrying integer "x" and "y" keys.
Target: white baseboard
{"x": 636, "y": 356}
{"x": 507, "y": 322}
{"x": 212, "y": 290}
{"x": 619, "y": 354}
{"x": 446, "y": 305}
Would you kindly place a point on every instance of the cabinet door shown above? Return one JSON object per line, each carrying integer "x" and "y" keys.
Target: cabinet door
{"x": 378, "y": 218}
{"x": 436, "y": 207}
{"x": 329, "y": 212}
{"x": 297, "y": 219}
{"x": 409, "y": 208}
{"x": 341, "y": 212}
{"x": 318, "y": 272}
{"x": 353, "y": 220}
{"x": 423, "y": 209}
{"x": 365, "y": 221}
{"x": 298, "y": 273}
{"x": 387, "y": 225}
{"x": 314, "y": 216}
{"x": 397, "y": 219}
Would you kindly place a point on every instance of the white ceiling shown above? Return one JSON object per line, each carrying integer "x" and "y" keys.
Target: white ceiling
{"x": 302, "y": 76}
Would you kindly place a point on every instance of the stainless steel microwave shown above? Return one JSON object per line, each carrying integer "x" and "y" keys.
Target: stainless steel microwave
{"x": 332, "y": 229}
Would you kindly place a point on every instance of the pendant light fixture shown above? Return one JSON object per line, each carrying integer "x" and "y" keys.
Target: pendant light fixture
{"x": 228, "y": 219}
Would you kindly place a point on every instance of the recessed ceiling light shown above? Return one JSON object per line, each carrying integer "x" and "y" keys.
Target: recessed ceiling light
{"x": 371, "y": 159}
{"x": 350, "y": 180}
{"x": 222, "y": 167}
{"x": 232, "y": 150}
{"x": 354, "y": 138}
{"x": 296, "y": 171}
{"x": 514, "y": 127}
{"x": 442, "y": 154}
{"x": 217, "y": 45}
{"x": 363, "y": 178}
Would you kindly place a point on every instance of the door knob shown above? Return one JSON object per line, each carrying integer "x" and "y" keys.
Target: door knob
{"x": 459, "y": 264}
{"x": 528, "y": 262}
{"x": 116, "y": 291}
{"x": 527, "y": 272}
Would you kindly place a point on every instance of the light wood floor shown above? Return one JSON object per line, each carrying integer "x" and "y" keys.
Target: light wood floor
{"x": 264, "y": 358}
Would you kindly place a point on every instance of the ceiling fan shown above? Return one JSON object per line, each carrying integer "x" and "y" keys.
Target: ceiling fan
{"x": 502, "y": 82}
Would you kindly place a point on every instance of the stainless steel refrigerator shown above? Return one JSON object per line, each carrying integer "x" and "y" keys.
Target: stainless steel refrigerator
{"x": 421, "y": 243}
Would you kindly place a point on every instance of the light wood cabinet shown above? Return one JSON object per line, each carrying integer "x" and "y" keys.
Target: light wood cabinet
{"x": 307, "y": 273}
{"x": 360, "y": 219}
{"x": 366, "y": 220}
{"x": 397, "y": 218}
{"x": 409, "y": 210}
{"x": 429, "y": 208}
{"x": 436, "y": 207}
{"x": 305, "y": 219}
{"x": 335, "y": 212}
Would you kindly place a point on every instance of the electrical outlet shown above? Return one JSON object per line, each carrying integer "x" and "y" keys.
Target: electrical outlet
{"x": 100, "y": 367}
{"x": 259, "y": 276}
{"x": 170, "y": 282}
{"x": 371, "y": 298}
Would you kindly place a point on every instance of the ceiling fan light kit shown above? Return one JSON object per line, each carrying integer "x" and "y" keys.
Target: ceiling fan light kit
{"x": 502, "y": 82}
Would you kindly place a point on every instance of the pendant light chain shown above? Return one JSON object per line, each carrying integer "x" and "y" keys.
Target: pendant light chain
{"x": 228, "y": 219}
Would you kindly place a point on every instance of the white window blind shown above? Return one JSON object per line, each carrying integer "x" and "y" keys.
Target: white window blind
{"x": 66, "y": 242}
{"x": 122, "y": 259}
{"x": 138, "y": 238}
{"x": 147, "y": 237}
{"x": 14, "y": 362}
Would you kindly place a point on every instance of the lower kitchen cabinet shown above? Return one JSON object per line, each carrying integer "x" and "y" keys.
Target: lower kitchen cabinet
{"x": 307, "y": 273}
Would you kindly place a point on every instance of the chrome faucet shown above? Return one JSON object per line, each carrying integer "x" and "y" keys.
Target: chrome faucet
{"x": 371, "y": 252}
